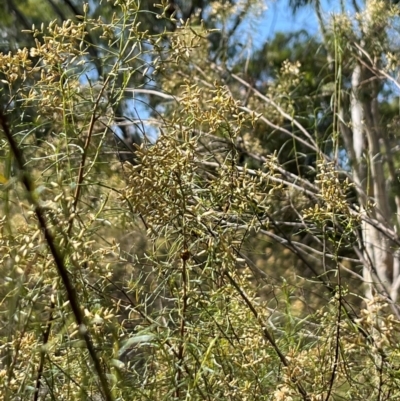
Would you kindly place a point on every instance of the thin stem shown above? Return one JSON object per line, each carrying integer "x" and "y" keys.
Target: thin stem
{"x": 57, "y": 255}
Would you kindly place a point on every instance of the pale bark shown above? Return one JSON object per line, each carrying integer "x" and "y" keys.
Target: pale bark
{"x": 378, "y": 250}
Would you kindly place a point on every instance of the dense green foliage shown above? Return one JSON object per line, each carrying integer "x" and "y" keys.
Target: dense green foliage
{"x": 183, "y": 218}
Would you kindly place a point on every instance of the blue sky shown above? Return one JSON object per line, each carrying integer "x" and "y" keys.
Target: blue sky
{"x": 279, "y": 17}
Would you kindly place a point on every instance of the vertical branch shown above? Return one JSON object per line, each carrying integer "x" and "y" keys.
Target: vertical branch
{"x": 339, "y": 298}
{"x": 46, "y": 336}
{"x": 380, "y": 253}
{"x": 57, "y": 256}
{"x": 357, "y": 117}
{"x": 184, "y": 256}
{"x": 93, "y": 119}
{"x": 337, "y": 339}
{"x": 358, "y": 143}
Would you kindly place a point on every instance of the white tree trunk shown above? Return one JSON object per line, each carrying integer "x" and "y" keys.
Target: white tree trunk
{"x": 368, "y": 172}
